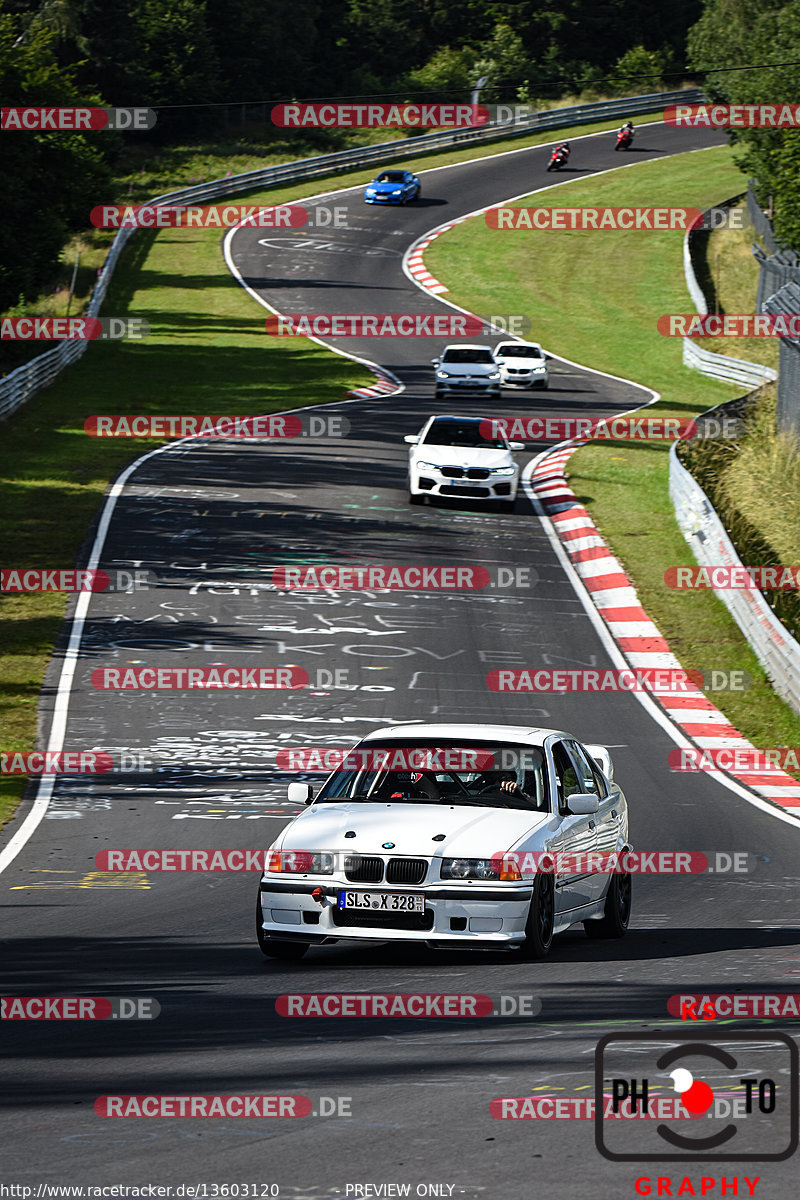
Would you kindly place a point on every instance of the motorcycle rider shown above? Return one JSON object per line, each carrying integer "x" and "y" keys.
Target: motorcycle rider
{"x": 563, "y": 149}
{"x": 627, "y": 128}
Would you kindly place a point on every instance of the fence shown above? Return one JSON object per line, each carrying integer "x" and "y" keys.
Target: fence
{"x": 786, "y": 302}
{"x": 28, "y": 379}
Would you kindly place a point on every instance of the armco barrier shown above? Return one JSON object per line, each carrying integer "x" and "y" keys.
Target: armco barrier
{"x": 717, "y": 366}
{"x": 25, "y": 381}
{"x": 776, "y": 649}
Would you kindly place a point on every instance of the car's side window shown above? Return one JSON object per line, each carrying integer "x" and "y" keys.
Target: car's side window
{"x": 567, "y": 783}
{"x": 591, "y": 780}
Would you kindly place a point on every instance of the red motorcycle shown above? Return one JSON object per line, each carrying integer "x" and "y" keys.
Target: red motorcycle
{"x": 558, "y": 159}
{"x": 624, "y": 139}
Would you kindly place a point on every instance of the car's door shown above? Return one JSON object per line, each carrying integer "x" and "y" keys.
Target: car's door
{"x": 577, "y": 834}
{"x": 608, "y": 818}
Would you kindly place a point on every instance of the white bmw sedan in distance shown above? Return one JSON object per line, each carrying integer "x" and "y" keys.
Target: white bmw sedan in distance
{"x": 458, "y": 836}
{"x": 451, "y": 457}
{"x": 522, "y": 364}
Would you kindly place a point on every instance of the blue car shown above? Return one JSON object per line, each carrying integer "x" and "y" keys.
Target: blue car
{"x": 393, "y": 187}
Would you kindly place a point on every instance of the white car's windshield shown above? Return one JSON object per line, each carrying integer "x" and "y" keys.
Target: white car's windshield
{"x": 516, "y": 351}
{"x": 424, "y": 772}
{"x": 460, "y": 433}
{"x": 465, "y": 354}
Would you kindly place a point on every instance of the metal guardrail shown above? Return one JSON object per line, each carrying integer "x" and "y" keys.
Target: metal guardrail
{"x": 25, "y": 381}
{"x": 719, "y": 366}
{"x": 716, "y": 366}
{"x": 776, "y": 649}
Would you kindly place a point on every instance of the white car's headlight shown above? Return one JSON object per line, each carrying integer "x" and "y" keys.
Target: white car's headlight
{"x": 299, "y": 862}
{"x": 429, "y": 466}
{"x": 504, "y": 470}
{"x": 442, "y": 375}
{"x": 494, "y": 375}
{"x": 468, "y": 868}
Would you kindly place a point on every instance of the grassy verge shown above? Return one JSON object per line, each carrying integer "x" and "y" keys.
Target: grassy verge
{"x": 595, "y": 298}
{"x": 207, "y": 353}
{"x": 728, "y": 275}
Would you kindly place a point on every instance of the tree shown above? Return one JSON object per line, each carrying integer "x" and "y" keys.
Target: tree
{"x": 51, "y": 181}
{"x": 732, "y": 33}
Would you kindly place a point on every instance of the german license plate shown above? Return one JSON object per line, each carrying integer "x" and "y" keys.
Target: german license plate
{"x": 413, "y": 902}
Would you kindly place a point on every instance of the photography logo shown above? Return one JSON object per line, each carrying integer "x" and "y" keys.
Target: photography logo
{"x": 740, "y": 1091}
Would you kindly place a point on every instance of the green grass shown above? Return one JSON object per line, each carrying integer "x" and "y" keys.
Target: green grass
{"x": 207, "y": 353}
{"x": 729, "y": 277}
{"x": 595, "y": 298}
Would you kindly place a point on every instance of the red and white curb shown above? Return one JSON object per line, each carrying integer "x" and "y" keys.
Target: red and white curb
{"x": 417, "y": 267}
{"x": 385, "y": 386}
{"x": 637, "y": 637}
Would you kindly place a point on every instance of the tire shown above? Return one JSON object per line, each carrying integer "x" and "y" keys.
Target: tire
{"x": 617, "y": 911}
{"x": 541, "y": 919}
{"x": 550, "y": 167}
{"x": 419, "y": 193}
{"x": 275, "y": 947}
{"x": 506, "y": 505}
{"x": 415, "y": 498}
{"x": 617, "y": 147}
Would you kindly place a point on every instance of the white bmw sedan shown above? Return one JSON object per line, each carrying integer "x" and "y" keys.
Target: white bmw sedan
{"x": 451, "y": 457}
{"x": 483, "y": 837}
{"x": 522, "y": 364}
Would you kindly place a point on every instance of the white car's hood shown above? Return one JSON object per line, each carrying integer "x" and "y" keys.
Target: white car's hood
{"x": 470, "y": 832}
{"x": 463, "y": 456}
{"x": 473, "y": 368}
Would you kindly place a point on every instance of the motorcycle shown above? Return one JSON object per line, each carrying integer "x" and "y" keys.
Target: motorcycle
{"x": 558, "y": 159}
{"x": 624, "y": 139}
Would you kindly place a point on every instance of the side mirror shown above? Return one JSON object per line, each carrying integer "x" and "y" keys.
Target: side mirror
{"x": 583, "y": 804}
{"x": 602, "y": 757}
{"x": 435, "y": 361}
{"x": 412, "y": 439}
{"x": 300, "y": 793}
{"x": 516, "y": 445}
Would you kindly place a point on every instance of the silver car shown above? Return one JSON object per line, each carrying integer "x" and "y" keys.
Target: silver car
{"x": 466, "y": 368}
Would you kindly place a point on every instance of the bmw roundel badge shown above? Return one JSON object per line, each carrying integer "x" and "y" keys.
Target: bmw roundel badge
{"x": 387, "y": 846}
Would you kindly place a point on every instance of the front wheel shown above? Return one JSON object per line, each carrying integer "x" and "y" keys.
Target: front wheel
{"x": 617, "y": 912}
{"x": 275, "y": 947}
{"x": 541, "y": 919}
{"x": 415, "y": 498}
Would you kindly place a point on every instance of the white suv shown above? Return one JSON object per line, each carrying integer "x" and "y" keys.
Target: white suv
{"x": 522, "y": 364}
{"x": 467, "y": 369}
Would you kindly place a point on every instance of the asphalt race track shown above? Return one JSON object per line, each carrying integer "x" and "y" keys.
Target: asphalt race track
{"x": 208, "y": 522}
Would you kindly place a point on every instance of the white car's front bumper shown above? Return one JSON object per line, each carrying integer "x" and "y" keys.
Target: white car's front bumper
{"x": 515, "y": 377}
{"x": 481, "y": 914}
{"x": 471, "y": 484}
